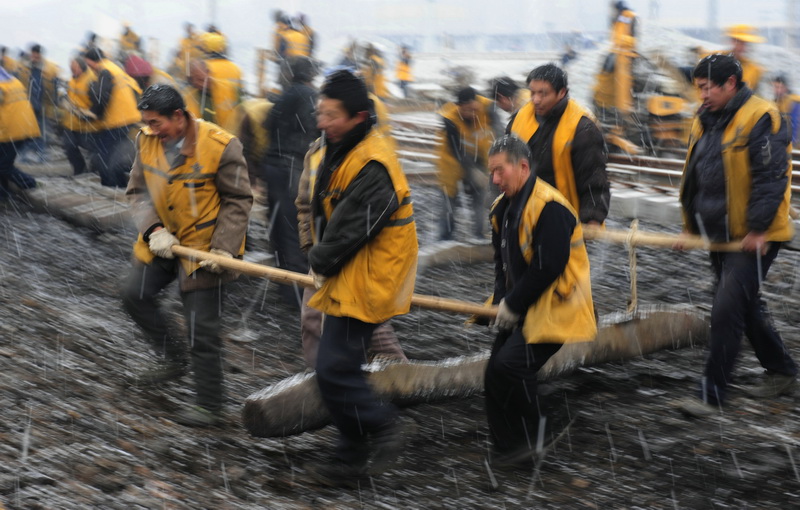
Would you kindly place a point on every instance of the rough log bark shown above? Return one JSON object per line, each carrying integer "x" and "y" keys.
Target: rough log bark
{"x": 294, "y": 405}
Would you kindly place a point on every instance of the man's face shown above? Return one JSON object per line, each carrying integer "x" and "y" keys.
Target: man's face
{"x": 714, "y": 96}
{"x": 507, "y": 176}
{"x": 198, "y": 75}
{"x": 739, "y": 48}
{"x": 169, "y": 129}
{"x": 505, "y": 103}
{"x": 334, "y": 120}
{"x": 469, "y": 110}
{"x": 75, "y": 68}
{"x": 544, "y": 97}
{"x": 36, "y": 57}
{"x": 779, "y": 88}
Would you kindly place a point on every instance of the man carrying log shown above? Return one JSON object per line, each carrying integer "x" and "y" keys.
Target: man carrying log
{"x": 736, "y": 187}
{"x": 543, "y": 291}
{"x": 188, "y": 187}
{"x": 364, "y": 264}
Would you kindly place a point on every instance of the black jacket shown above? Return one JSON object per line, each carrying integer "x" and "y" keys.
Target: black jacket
{"x": 521, "y": 283}
{"x": 705, "y": 190}
{"x": 292, "y": 126}
{"x": 589, "y": 158}
{"x": 362, "y": 211}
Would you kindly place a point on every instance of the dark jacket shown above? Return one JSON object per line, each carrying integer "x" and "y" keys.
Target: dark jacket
{"x": 589, "y": 158}
{"x": 364, "y": 209}
{"x": 292, "y": 126}
{"x": 705, "y": 188}
{"x": 520, "y": 283}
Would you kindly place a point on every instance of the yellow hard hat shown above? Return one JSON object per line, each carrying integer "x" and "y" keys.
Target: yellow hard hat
{"x": 212, "y": 43}
{"x": 746, "y": 33}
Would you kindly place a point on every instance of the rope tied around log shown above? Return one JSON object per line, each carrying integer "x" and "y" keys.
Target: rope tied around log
{"x": 633, "y": 302}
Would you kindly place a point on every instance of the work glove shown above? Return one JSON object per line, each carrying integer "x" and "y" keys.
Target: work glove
{"x": 319, "y": 280}
{"x": 213, "y": 266}
{"x": 161, "y": 243}
{"x": 506, "y": 319}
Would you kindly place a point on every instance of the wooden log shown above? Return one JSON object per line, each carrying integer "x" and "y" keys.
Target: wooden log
{"x": 294, "y": 405}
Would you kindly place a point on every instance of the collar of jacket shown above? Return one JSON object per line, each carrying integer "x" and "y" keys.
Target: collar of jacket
{"x": 722, "y": 117}
{"x": 556, "y": 112}
{"x": 190, "y": 137}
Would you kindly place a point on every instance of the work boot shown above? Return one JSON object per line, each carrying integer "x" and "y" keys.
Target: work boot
{"x": 197, "y": 416}
{"x": 161, "y": 372}
{"x": 387, "y": 444}
{"x": 773, "y": 385}
{"x": 693, "y": 407}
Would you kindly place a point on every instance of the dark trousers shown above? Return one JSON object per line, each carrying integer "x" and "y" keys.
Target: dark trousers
{"x": 354, "y": 408}
{"x": 202, "y": 310}
{"x": 73, "y": 142}
{"x": 282, "y": 182}
{"x": 108, "y": 156}
{"x": 738, "y": 308}
{"x": 512, "y": 405}
{"x": 9, "y": 173}
{"x": 480, "y": 215}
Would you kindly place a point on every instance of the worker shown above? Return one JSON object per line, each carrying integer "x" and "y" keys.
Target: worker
{"x": 305, "y": 28}
{"x": 7, "y": 62}
{"x": 129, "y": 41}
{"x": 742, "y": 36}
{"x": 567, "y": 147}
{"x": 40, "y": 77}
{"x": 79, "y": 123}
{"x": 403, "y": 70}
{"x": 290, "y": 41}
{"x": 788, "y": 103}
{"x": 219, "y": 87}
{"x": 372, "y": 71}
{"x": 188, "y": 50}
{"x": 17, "y": 124}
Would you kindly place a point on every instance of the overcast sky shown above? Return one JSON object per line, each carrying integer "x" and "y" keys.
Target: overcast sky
{"x": 60, "y": 25}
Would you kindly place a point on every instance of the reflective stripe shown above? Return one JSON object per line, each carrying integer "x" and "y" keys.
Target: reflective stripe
{"x": 205, "y": 224}
{"x": 177, "y": 177}
{"x": 400, "y": 221}
{"x": 407, "y": 200}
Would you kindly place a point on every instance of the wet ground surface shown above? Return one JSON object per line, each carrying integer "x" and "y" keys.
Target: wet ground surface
{"x": 74, "y": 437}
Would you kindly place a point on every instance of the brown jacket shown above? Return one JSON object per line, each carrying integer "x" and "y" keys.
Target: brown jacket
{"x": 303, "y": 200}
{"x": 235, "y": 201}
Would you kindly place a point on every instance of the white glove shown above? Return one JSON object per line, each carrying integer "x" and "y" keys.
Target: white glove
{"x": 161, "y": 243}
{"x": 319, "y": 280}
{"x": 506, "y": 318}
{"x": 214, "y": 267}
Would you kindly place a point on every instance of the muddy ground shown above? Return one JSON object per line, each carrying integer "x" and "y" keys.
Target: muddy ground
{"x": 73, "y": 436}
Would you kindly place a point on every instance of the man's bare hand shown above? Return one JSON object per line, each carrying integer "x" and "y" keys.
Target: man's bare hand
{"x": 755, "y": 242}
{"x": 680, "y": 242}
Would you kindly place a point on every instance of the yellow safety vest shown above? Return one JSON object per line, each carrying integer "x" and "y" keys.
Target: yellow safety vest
{"x": 564, "y": 313}
{"x": 751, "y": 72}
{"x": 377, "y": 282}
{"x": 738, "y": 180}
{"x": 622, "y": 29}
{"x": 121, "y": 109}
{"x": 50, "y": 73}
{"x": 403, "y": 71}
{"x": 297, "y": 43}
{"x": 476, "y": 138}
{"x": 78, "y": 94}
{"x": 256, "y": 109}
{"x": 225, "y": 79}
{"x": 184, "y": 197}
{"x": 383, "y": 126}
{"x": 17, "y": 120}
{"x": 525, "y": 126}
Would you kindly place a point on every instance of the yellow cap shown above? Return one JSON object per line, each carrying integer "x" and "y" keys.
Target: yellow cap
{"x": 746, "y": 33}
{"x": 212, "y": 43}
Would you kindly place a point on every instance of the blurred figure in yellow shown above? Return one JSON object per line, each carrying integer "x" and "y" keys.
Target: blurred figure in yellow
{"x": 403, "y": 70}
{"x": 741, "y": 37}
{"x": 7, "y": 62}
{"x": 113, "y": 94}
{"x": 372, "y": 71}
{"x": 188, "y": 49}
{"x": 305, "y": 28}
{"x": 623, "y": 24}
{"x": 78, "y": 121}
{"x": 17, "y": 124}
{"x": 40, "y": 77}
{"x": 129, "y": 40}
{"x": 290, "y": 41}
{"x": 788, "y": 103}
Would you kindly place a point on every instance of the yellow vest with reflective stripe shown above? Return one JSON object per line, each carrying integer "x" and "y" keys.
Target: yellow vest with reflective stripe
{"x": 225, "y": 84}
{"x": 738, "y": 179}
{"x": 564, "y": 313}
{"x": 377, "y": 282}
{"x": 121, "y": 109}
{"x": 78, "y": 94}
{"x": 17, "y": 120}
{"x": 476, "y": 138}
{"x": 184, "y": 197}
{"x": 525, "y": 126}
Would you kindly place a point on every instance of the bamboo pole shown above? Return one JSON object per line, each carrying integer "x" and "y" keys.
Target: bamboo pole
{"x": 290, "y": 277}
{"x": 655, "y": 240}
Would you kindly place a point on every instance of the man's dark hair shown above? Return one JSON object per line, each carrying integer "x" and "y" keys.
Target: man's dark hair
{"x": 503, "y": 86}
{"x": 550, "y": 73}
{"x": 81, "y": 63}
{"x": 94, "y": 54}
{"x": 781, "y": 78}
{"x": 162, "y": 99}
{"x": 349, "y": 89}
{"x": 36, "y": 48}
{"x": 299, "y": 69}
{"x": 465, "y": 95}
{"x": 717, "y": 68}
{"x": 514, "y": 148}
